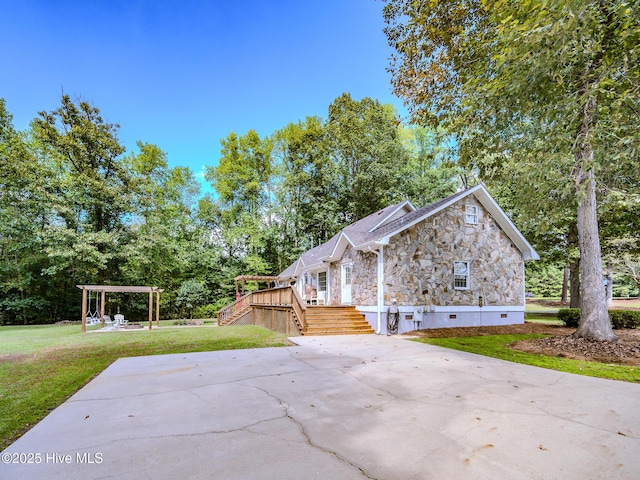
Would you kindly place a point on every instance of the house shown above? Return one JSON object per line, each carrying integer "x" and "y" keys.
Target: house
{"x": 456, "y": 262}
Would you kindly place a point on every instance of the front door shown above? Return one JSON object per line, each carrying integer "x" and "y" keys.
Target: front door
{"x": 346, "y": 283}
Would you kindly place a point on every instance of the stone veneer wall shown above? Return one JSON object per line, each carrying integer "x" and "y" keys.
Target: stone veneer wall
{"x": 363, "y": 277}
{"x": 418, "y": 268}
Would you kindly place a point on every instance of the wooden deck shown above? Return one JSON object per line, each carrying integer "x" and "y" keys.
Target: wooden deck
{"x": 282, "y": 309}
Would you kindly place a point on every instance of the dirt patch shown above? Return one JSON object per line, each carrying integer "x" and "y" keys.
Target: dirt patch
{"x": 626, "y": 351}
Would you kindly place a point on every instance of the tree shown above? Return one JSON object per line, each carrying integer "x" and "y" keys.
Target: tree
{"x": 429, "y": 173}
{"x": 191, "y": 294}
{"x": 308, "y": 191}
{"x": 365, "y": 145}
{"x": 163, "y": 244}
{"x": 244, "y": 183}
{"x": 91, "y": 188}
{"x": 24, "y": 219}
{"x": 550, "y": 86}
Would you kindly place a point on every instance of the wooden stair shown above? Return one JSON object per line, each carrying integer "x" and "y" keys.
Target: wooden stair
{"x": 340, "y": 320}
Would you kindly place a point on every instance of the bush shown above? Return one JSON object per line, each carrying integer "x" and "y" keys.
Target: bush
{"x": 570, "y": 316}
{"x": 619, "y": 318}
{"x": 205, "y": 311}
{"x": 625, "y": 318}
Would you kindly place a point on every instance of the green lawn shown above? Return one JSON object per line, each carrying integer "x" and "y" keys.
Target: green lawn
{"x": 41, "y": 366}
{"x": 497, "y": 346}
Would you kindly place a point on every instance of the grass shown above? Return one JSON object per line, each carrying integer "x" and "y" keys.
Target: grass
{"x": 543, "y": 317}
{"x": 42, "y": 366}
{"x": 497, "y": 346}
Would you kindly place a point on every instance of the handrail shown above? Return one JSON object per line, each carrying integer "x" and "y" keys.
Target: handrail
{"x": 280, "y": 296}
{"x": 300, "y": 309}
{"x": 239, "y": 305}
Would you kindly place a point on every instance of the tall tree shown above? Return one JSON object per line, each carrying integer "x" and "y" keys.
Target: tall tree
{"x": 549, "y": 85}
{"x": 364, "y": 142}
{"x": 308, "y": 195}
{"x": 244, "y": 182}
{"x": 24, "y": 218}
{"x": 430, "y": 172}
{"x": 92, "y": 186}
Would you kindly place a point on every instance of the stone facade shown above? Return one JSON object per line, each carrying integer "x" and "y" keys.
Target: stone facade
{"x": 418, "y": 264}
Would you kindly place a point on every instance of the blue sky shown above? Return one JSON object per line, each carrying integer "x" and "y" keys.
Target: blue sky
{"x": 183, "y": 74}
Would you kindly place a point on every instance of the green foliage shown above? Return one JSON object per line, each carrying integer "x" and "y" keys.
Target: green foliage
{"x": 570, "y": 316}
{"x": 497, "y": 346}
{"x": 619, "y": 318}
{"x": 366, "y": 148}
{"x": 77, "y": 209}
{"x": 544, "y": 280}
{"x": 191, "y": 294}
{"x": 540, "y": 95}
{"x": 206, "y": 311}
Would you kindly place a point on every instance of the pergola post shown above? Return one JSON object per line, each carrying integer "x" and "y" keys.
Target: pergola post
{"x": 84, "y": 310}
{"x": 157, "y": 308}
{"x": 150, "y": 309}
{"x": 102, "y": 300}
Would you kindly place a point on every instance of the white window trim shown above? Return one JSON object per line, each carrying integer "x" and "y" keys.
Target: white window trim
{"x": 467, "y": 276}
{"x": 471, "y": 214}
{"x": 326, "y": 280}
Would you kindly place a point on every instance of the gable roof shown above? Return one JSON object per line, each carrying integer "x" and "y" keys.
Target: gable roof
{"x": 351, "y": 234}
{"x": 378, "y": 228}
{"x": 382, "y": 235}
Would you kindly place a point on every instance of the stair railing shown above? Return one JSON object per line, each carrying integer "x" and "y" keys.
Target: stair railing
{"x": 235, "y": 309}
{"x": 279, "y": 297}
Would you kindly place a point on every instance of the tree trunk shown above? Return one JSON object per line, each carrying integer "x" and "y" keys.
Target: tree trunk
{"x": 594, "y": 317}
{"x": 574, "y": 283}
{"x": 609, "y": 284}
{"x": 565, "y": 284}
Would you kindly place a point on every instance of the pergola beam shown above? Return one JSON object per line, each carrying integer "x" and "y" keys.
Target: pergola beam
{"x": 254, "y": 278}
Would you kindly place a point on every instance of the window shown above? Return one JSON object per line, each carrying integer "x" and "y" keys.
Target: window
{"x": 471, "y": 214}
{"x": 322, "y": 281}
{"x": 461, "y": 275}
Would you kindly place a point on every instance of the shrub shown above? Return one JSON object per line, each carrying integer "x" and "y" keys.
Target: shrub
{"x": 205, "y": 311}
{"x": 624, "y": 318}
{"x": 619, "y": 318}
{"x": 570, "y": 316}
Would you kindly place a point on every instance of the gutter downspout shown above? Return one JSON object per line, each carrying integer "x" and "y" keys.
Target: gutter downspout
{"x": 380, "y": 253}
{"x": 380, "y": 287}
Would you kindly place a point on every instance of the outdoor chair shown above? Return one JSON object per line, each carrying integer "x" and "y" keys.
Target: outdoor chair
{"x": 119, "y": 320}
{"x": 310, "y": 294}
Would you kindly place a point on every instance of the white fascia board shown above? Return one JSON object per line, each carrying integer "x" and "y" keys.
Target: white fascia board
{"x": 312, "y": 267}
{"x": 406, "y": 203}
{"x": 375, "y": 244}
{"x": 487, "y": 201}
{"x": 433, "y": 212}
{"x": 341, "y": 244}
{"x": 299, "y": 268}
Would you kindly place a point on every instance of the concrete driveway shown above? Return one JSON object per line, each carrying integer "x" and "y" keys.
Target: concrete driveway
{"x": 348, "y": 407}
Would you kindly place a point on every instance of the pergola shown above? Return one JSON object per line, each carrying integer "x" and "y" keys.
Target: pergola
{"x": 103, "y": 289}
{"x": 253, "y": 278}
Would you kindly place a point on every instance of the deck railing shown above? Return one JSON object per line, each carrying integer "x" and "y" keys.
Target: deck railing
{"x": 281, "y": 299}
{"x": 235, "y": 309}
